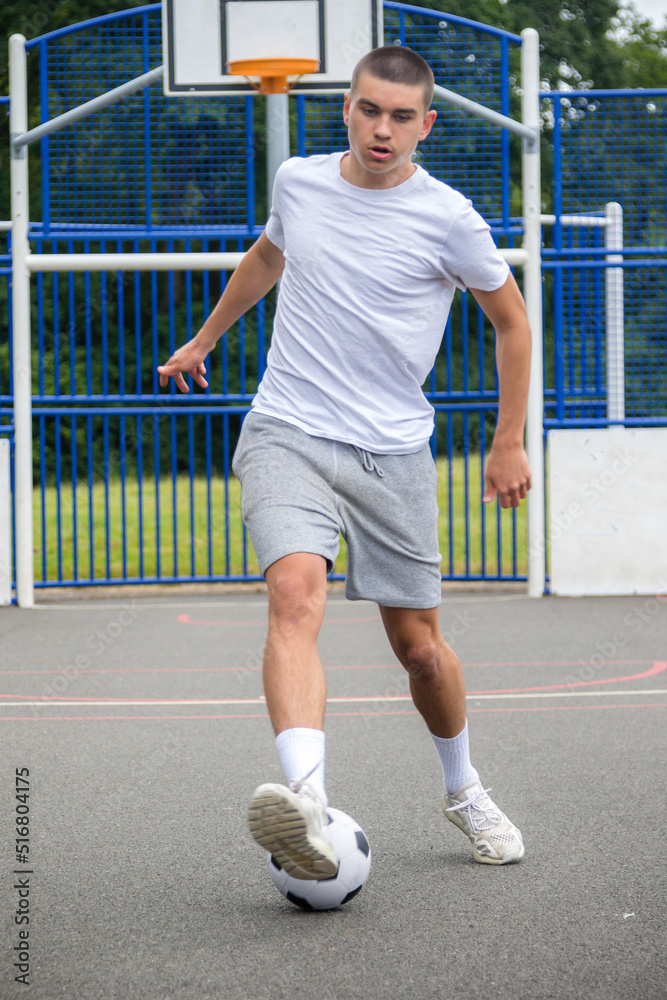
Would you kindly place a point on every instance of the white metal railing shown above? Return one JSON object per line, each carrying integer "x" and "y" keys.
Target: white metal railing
{"x": 488, "y": 114}
{"x": 5, "y": 525}
{"x": 612, "y": 223}
{"x": 532, "y": 290}
{"x": 169, "y": 261}
{"x": 18, "y": 125}
{"x": 133, "y": 261}
{"x": 25, "y": 138}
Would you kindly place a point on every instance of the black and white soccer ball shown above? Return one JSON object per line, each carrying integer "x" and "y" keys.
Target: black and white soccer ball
{"x": 354, "y": 853}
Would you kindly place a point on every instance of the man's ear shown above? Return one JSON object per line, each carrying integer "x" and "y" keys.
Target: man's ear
{"x": 427, "y": 124}
{"x": 346, "y": 109}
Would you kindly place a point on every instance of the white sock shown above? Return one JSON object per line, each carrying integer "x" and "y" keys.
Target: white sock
{"x": 302, "y": 757}
{"x": 454, "y": 756}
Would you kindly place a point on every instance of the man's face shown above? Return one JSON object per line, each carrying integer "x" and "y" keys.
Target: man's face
{"x": 385, "y": 121}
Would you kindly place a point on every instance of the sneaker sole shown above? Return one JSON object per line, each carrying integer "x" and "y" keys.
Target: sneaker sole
{"x": 281, "y": 829}
{"x": 499, "y": 861}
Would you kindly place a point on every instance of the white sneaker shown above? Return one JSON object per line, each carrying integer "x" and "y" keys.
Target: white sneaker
{"x": 495, "y": 840}
{"x": 290, "y": 823}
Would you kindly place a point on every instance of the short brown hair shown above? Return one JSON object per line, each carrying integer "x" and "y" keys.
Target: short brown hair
{"x": 397, "y": 64}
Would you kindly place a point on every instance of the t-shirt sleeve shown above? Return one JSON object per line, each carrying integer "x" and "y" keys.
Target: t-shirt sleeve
{"x": 274, "y": 226}
{"x": 469, "y": 258}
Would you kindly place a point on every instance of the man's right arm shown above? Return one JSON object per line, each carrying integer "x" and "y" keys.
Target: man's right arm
{"x": 254, "y": 277}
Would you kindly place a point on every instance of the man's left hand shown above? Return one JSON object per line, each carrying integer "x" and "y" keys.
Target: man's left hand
{"x": 507, "y": 475}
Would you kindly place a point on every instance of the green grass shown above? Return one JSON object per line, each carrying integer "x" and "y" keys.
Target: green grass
{"x": 160, "y": 524}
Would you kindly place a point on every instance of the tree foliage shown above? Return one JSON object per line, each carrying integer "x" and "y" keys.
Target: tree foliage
{"x": 582, "y": 42}
{"x": 643, "y": 49}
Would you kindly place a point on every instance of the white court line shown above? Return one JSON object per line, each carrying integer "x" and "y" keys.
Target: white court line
{"x": 132, "y": 602}
{"x": 342, "y": 700}
{"x": 137, "y": 604}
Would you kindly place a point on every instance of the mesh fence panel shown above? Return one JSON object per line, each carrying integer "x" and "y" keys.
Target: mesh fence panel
{"x": 575, "y": 358}
{"x": 614, "y": 150}
{"x": 148, "y": 161}
{"x": 466, "y": 152}
{"x": 612, "y": 147}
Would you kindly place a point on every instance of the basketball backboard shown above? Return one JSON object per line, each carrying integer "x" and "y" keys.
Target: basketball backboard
{"x": 200, "y": 37}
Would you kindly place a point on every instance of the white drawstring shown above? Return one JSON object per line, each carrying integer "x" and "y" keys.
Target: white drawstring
{"x": 368, "y": 462}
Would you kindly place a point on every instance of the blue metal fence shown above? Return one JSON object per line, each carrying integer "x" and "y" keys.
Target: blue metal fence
{"x": 133, "y": 483}
{"x": 608, "y": 146}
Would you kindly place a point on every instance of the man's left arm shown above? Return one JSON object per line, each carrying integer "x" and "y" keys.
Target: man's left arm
{"x": 507, "y": 471}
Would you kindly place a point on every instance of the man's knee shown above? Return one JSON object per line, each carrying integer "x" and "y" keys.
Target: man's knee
{"x": 421, "y": 657}
{"x": 297, "y": 593}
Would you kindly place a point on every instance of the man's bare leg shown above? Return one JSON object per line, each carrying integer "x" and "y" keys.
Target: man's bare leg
{"x": 290, "y": 822}
{"x": 436, "y": 677}
{"x": 294, "y": 684}
{"x": 438, "y": 691}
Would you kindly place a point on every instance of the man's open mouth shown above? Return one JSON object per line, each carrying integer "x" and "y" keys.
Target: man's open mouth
{"x": 380, "y": 152}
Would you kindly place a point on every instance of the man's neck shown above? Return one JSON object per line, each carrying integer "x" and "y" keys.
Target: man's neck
{"x": 352, "y": 172}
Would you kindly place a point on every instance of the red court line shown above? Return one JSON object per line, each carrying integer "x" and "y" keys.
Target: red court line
{"x": 555, "y": 708}
{"x": 187, "y": 620}
{"x": 552, "y": 663}
{"x": 569, "y": 708}
{"x": 658, "y": 667}
{"x": 343, "y": 666}
{"x": 330, "y": 715}
{"x": 181, "y": 670}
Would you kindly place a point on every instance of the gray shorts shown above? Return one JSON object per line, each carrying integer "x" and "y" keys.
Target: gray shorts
{"x": 298, "y": 492}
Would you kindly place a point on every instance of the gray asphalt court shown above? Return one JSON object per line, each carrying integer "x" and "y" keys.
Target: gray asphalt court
{"x": 134, "y": 731}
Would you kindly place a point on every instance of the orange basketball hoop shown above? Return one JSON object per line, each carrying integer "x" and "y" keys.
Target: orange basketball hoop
{"x": 272, "y": 73}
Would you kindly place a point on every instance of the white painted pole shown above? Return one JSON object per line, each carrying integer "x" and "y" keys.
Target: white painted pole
{"x": 515, "y": 257}
{"x": 5, "y": 525}
{"x": 590, "y": 221}
{"x": 481, "y": 111}
{"x": 532, "y": 285}
{"x": 134, "y": 261}
{"x": 18, "y": 124}
{"x": 277, "y": 132}
{"x": 614, "y": 319}
{"x": 97, "y": 103}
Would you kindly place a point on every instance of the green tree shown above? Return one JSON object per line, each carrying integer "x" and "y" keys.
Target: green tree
{"x": 583, "y": 43}
{"x": 643, "y": 50}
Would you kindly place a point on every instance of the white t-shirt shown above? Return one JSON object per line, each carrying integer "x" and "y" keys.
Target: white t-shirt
{"x": 368, "y": 283}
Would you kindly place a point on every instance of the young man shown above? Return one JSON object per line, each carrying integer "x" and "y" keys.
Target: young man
{"x": 371, "y": 250}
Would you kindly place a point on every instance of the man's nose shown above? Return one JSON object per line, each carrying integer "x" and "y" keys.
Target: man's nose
{"x": 383, "y": 127}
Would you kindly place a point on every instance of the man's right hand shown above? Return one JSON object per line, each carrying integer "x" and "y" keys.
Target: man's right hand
{"x": 188, "y": 358}
{"x": 254, "y": 277}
